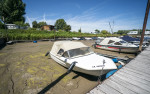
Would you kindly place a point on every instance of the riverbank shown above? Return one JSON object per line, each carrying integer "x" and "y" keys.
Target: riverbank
{"x": 24, "y": 69}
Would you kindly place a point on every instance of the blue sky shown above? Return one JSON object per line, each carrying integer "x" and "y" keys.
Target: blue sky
{"x": 89, "y": 14}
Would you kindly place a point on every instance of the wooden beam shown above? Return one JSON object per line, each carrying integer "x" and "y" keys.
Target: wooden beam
{"x": 144, "y": 25}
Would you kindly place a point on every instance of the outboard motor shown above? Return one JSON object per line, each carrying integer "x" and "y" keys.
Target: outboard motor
{"x": 71, "y": 66}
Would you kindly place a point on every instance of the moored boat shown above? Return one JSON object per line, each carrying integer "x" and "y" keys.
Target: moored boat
{"x": 79, "y": 57}
{"x": 116, "y": 44}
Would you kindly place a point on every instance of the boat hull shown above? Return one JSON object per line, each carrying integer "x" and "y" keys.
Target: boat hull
{"x": 89, "y": 72}
{"x": 118, "y": 48}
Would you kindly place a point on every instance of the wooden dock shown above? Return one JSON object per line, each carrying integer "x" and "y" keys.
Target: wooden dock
{"x": 133, "y": 78}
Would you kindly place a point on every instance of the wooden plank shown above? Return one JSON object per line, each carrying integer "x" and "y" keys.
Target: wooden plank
{"x": 148, "y": 48}
{"x": 139, "y": 69}
{"x": 128, "y": 85}
{"x": 118, "y": 87}
{"x": 141, "y": 60}
{"x": 147, "y": 52}
{"x": 108, "y": 90}
{"x": 142, "y": 57}
{"x": 133, "y": 77}
{"x": 134, "y": 82}
{"x": 136, "y": 74}
{"x": 96, "y": 91}
{"x": 138, "y": 64}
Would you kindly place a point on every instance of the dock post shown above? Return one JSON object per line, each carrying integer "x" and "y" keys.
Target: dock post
{"x": 144, "y": 25}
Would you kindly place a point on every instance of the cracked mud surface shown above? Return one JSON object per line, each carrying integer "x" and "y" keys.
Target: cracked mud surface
{"x": 24, "y": 69}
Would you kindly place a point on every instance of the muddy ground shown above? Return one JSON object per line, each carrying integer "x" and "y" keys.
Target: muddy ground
{"x": 24, "y": 69}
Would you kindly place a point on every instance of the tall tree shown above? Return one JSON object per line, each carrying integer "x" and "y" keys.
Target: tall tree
{"x": 27, "y": 24}
{"x": 12, "y": 11}
{"x": 79, "y": 30}
{"x": 104, "y": 32}
{"x": 19, "y": 23}
{"x": 34, "y": 24}
{"x": 40, "y": 24}
{"x": 1, "y": 25}
{"x": 60, "y": 24}
{"x": 67, "y": 28}
{"x": 97, "y": 31}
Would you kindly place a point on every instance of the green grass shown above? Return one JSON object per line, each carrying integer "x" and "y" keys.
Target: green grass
{"x": 20, "y": 34}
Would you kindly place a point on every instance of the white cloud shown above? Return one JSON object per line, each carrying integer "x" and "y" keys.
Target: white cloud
{"x": 88, "y": 21}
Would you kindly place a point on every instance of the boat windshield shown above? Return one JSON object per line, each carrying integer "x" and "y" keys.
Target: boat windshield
{"x": 123, "y": 42}
{"x": 80, "y": 51}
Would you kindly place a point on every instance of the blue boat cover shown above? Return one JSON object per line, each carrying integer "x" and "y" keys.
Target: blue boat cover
{"x": 129, "y": 39}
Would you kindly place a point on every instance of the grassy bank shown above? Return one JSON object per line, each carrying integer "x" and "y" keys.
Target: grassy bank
{"x": 19, "y": 34}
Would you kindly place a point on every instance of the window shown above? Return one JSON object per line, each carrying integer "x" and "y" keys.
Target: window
{"x": 110, "y": 41}
{"x": 60, "y": 52}
{"x": 117, "y": 43}
{"x": 65, "y": 54}
{"x": 122, "y": 41}
{"x": 80, "y": 51}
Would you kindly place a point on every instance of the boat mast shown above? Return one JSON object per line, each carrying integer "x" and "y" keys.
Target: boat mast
{"x": 144, "y": 25}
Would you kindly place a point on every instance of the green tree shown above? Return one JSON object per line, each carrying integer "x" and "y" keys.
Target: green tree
{"x": 97, "y": 31}
{"x": 40, "y": 24}
{"x": 1, "y": 25}
{"x": 34, "y": 24}
{"x": 67, "y": 28}
{"x": 79, "y": 30}
{"x": 12, "y": 11}
{"x": 104, "y": 32}
{"x": 19, "y": 23}
{"x": 121, "y": 32}
{"x": 60, "y": 24}
{"x": 27, "y": 24}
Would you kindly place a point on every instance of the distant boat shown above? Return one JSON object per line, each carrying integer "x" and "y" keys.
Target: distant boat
{"x": 75, "y": 38}
{"x": 79, "y": 57}
{"x": 116, "y": 44}
{"x": 135, "y": 41}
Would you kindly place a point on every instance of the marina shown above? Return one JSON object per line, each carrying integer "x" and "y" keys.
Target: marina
{"x": 97, "y": 47}
{"x": 25, "y": 69}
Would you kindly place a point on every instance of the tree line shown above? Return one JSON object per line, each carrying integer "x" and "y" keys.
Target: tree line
{"x": 13, "y": 11}
{"x": 60, "y": 24}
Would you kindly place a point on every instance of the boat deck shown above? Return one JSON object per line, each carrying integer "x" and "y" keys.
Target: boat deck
{"x": 133, "y": 78}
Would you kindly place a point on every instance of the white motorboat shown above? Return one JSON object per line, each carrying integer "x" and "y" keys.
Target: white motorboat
{"x": 116, "y": 44}
{"x": 135, "y": 41}
{"x": 75, "y": 38}
{"x": 79, "y": 57}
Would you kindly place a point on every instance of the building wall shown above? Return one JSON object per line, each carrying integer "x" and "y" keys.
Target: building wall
{"x": 12, "y": 26}
{"x": 132, "y": 32}
{"x": 147, "y": 32}
{"x": 47, "y": 27}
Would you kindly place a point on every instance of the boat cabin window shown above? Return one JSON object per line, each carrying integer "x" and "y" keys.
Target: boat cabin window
{"x": 65, "y": 55}
{"x": 110, "y": 41}
{"x": 79, "y": 51}
{"x": 123, "y": 42}
{"x": 117, "y": 43}
{"x": 60, "y": 52}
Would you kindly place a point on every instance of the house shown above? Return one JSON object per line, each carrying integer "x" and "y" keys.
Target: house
{"x": 12, "y": 26}
{"x": 47, "y": 27}
{"x": 133, "y": 33}
{"x": 147, "y": 32}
